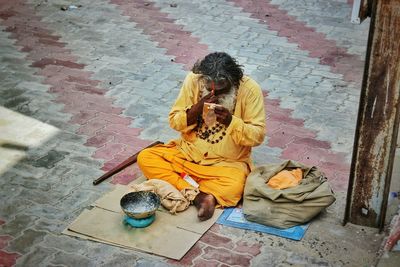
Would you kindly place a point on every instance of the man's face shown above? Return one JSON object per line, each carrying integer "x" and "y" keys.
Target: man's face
{"x": 218, "y": 86}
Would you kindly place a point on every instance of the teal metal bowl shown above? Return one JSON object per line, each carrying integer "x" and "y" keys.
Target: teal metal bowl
{"x": 139, "y": 223}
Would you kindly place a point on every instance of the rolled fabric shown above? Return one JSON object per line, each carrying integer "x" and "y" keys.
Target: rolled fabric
{"x": 171, "y": 198}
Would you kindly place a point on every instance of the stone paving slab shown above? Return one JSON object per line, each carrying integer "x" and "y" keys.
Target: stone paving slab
{"x": 106, "y": 73}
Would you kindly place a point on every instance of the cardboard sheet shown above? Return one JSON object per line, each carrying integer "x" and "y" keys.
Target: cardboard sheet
{"x": 170, "y": 235}
{"x": 186, "y": 220}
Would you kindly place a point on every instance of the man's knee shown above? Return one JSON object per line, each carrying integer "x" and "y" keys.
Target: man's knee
{"x": 144, "y": 157}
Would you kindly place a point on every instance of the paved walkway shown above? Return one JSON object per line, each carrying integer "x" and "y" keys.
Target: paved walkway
{"x": 92, "y": 85}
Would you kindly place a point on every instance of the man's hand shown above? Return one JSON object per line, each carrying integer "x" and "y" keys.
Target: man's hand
{"x": 223, "y": 115}
{"x": 197, "y": 109}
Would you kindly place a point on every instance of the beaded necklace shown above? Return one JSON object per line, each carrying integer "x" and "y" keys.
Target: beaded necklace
{"x": 213, "y": 134}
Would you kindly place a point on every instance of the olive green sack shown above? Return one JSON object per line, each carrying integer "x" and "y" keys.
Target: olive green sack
{"x": 288, "y": 207}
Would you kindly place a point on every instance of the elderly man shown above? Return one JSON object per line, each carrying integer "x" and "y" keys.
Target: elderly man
{"x": 216, "y": 140}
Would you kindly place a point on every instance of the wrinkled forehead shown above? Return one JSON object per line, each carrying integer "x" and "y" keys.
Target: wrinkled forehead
{"x": 218, "y": 82}
{"x": 216, "y": 79}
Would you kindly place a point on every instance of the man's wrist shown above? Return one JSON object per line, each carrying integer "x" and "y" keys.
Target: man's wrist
{"x": 192, "y": 115}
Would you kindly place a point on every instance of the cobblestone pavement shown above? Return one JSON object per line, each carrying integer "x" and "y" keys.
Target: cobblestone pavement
{"x": 105, "y": 75}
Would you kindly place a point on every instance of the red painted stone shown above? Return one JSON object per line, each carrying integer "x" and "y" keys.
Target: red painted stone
{"x": 128, "y": 151}
{"x": 190, "y": 256}
{"x": 119, "y": 125}
{"x": 92, "y": 127}
{"x": 216, "y": 228}
{"x": 8, "y": 259}
{"x": 99, "y": 140}
{"x": 5, "y": 14}
{"x": 295, "y": 130}
{"x": 294, "y": 152}
{"x": 114, "y": 119}
{"x": 66, "y": 88}
{"x": 326, "y": 155}
{"x": 108, "y": 151}
{"x": 111, "y": 164}
{"x": 88, "y": 89}
{"x": 63, "y": 89}
{"x": 46, "y": 35}
{"x": 83, "y": 116}
{"x": 26, "y": 49}
{"x": 4, "y": 240}
{"x": 77, "y": 101}
{"x": 51, "y": 70}
{"x": 279, "y": 139}
{"x": 226, "y": 256}
{"x": 131, "y": 141}
{"x": 309, "y": 159}
{"x": 215, "y": 240}
{"x": 127, "y": 175}
{"x": 205, "y": 263}
{"x": 273, "y": 126}
{"x": 279, "y": 115}
{"x": 105, "y": 108}
{"x": 137, "y": 145}
{"x": 80, "y": 80}
{"x": 245, "y": 247}
{"x": 312, "y": 142}
{"x": 271, "y": 102}
{"x": 116, "y": 160}
{"x": 51, "y": 43}
{"x": 264, "y": 93}
{"x": 336, "y": 166}
{"x": 76, "y": 72}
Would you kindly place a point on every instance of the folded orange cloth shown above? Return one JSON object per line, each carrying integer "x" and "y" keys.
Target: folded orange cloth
{"x": 285, "y": 179}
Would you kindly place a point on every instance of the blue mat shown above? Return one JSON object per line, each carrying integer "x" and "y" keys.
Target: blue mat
{"x": 233, "y": 217}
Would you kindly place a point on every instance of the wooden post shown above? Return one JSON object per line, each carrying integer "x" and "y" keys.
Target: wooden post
{"x": 378, "y": 119}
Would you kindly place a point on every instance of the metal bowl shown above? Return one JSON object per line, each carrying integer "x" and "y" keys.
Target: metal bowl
{"x": 141, "y": 204}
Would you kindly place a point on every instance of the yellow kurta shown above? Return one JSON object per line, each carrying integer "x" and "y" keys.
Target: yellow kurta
{"x": 221, "y": 168}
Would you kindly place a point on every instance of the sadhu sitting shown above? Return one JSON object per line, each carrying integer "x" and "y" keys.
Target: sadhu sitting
{"x": 220, "y": 115}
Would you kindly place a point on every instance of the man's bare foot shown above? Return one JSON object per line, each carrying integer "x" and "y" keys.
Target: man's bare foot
{"x": 205, "y": 204}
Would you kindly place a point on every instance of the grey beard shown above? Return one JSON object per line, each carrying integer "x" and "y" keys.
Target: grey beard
{"x": 227, "y": 100}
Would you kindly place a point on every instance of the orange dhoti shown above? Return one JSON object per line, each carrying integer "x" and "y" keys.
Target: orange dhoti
{"x": 226, "y": 184}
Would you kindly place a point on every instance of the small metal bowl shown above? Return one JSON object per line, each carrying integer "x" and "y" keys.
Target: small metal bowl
{"x": 141, "y": 204}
